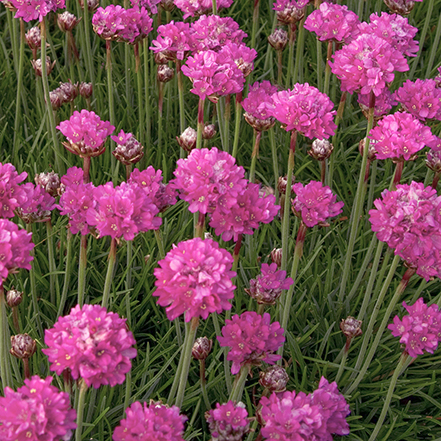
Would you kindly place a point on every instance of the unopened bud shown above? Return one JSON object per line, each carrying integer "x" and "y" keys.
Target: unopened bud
{"x": 209, "y": 131}
{"x": 433, "y": 160}
{"x": 351, "y": 327}
{"x": 281, "y": 184}
{"x": 278, "y": 39}
{"x": 14, "y": 298}
{"x": 56, "y": 99}
{"x": 36, "y": 64}
{"x": 165, "y": 73}
{"x": 258, "y": 124}
{"x": 372, "y": 153}
{"x": 129, "y": 153}
{"x": 187, "y": 140}
{"x": 86, "y": 90}
{"x": 50, "y": 182}
{"x": 290, "y": 15}
{"x": 201, "y": 348}
{"x": 161, "y": 58}
{"x": 274, "y": 379}
{"x": 23, "y": 346}
{"x": 67, "y": 21}
{"x": 69, "y": 91}
{"x": 402, "y": 7}
{"x": 33, "y": 38}
{"x": 276, "y": 256}
{"x": 321, "y": 149}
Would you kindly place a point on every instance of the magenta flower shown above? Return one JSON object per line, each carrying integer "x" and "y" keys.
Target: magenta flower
{"x": 38, "y": 204}
{"x": 150, "y": 5}
{"x": 420, "y": 330}
{"x": 86, "y": 133}
{"x": 174, "y": 40}
{"x": 332, "y": 22}
{"x": 36, "y": 412}
{"x": 383, "y": 103}
{"x": 290, "y": 11}
{"x": 15, "y": 248}
{"x": 195, "y": 278}
{"x": 192, "y": 8}
{"x": 408, "y": 220}
{"x": 229, "y": 421}
{"x": 93, "y": 344}
{"x": 12, "y": 195}
{"x": 315, "y": 202}
{"x": 108, "y": 22}
{"x": 245, "y": 214}
{"x": 242, "y": 55}
{"x": 421, "y": 98}
{"x": 207, "y": 176}
{"x": 123, "y": 211}
{"x": 32, "y": 9}
{"x": 305, "y": 109}
{"x": 137, "y": 24}
{"x": 129, "y": 150}
{"x": 367, "y": 64}
{"x": 400, "y": 136}
{"x": 267, "y": 287}
{"x": 153, "y": 422}
{"x": 251, "y": 339}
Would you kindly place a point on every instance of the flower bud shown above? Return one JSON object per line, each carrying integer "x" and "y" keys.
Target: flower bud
{"x": 129, "y": 153}
{"x": 165, "y": 73}
{"x": 372, "y": 154}
{"x": 86, "y": 90}
{"x": 49, "y": 181}
{"x": 69, "y": 91}
{"x": 433, "y": 160}
{"x": 161, "y": 58}
{"x": 56, "y": 99}
{"x": 321, "y": 149}
{"x": 201, "y": 348}
{"x": 259, "y": 124}
{"x": 276, "y": 256}
{"x": 281, "y": 184}
{"x": 33, "y": 38}
{"x": 274, "y": 379}
{"x": 402, "y": 7}
{"x": 23, "y": 346}
{"x": 290, "y": 15}
{"x": 36, "y": 64}
{"x": 351, "y": 327}
{"x": 13, "y": 298}
{"x": 187, "y": 140}
{"x": 278, "y": 39}
{"x": 209, "y": 131}
{"x": 92, "y": 5}
{"x": 67, "y": 21}
{"x": 167, "y": 5}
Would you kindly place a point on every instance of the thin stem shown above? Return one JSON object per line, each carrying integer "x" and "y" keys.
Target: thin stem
{"x": 200, "y": 127}
{"x": 69, "y": 239}
{"x": 299, "y": 50}
{"x": 17, "y": 123}
{"x": 227, "y": 118}
{"x": 239, "y": 384}
{"x": 146, "y": 101}
{"x": 279, "y": 67}
{"x": 397, "y": 176}
{"x": 5, "y": 368}
{"x": 319, "y": 65}
{"x": 204, "y": 383}
{"x": 181, "y": 95}
{"x": 291, "y": 40}
{"x": 128, "y": 392}
{"x": 275, "y": 161}
{"x": 238, "y": 118}
{"x": 160, "y": 104}
{"x": 109, "y": 275}
{"x": 255, "y": 23}
{"x": 213, "y": 2}
{"x": 53, "y": 280}
{"x": 86, "y": 27}
{"x": 140, "y": 81}
{"x": 342, "y": 365}
{"x": 254, "y": 154}
{"x": 82, "y": 265}
{"x": 435, "y": 46}
{"x": 110, "y": 94}
{"x": 26, "y": 369}
{"x": 328, "y": 68}
{"x": 160, "y": 243}
{"x": 200, "y": 226}
{"x": 436, "y": 179}
{"x": 80, "y": 409}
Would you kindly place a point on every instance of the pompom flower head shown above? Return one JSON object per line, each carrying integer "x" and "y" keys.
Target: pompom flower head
{"x": 315, "y": 202}
{"x": 153, "y": 422}
{"x": 30, "y": 10}
{"x": 12, "y": 195}
{"x": 252, "y": 339}
{"x": 36, "y": 412}
{"x": 93, "y": 343}
{"x": 173, "y": 41}
{"x": 420, "y": 330}
{"x": 229, "y": 421}
{"x": 195, "y": 278}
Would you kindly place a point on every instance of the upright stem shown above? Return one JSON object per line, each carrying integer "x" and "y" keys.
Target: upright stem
{"x": 110, "y": 95}
{"x": 66, "y": 273}
{"x": 238, "y": 115}
{"x": 82, "y": 264}
{"x": 139, "y": 78}
{"x": 214, "y": 7}
{"x": 160, "y": 243}
{"x": 160, "y": 103}
{"x": 227, "y": 118}
{"x": 328, "y": 68}
{"x": 53, "y": 280}
{"x": 88, "y": 48}
{"x": 200, "y": 226}
{"x": 109, "y": 275}
{"x": 319, "y": 65}
{"x": 279, "y": 67}
{"x": 436, "y": 179}
{"x": 255, "y": 23}
{"x": 299, "y": 50}
{"x": 146, "y": 101}
{"x": 239, "y": 384}
{"x": 254, "y": 154}
{"x": 86, "y": 169}
{"x": 398, "y": 172}
{"x": 80, "y": 409}
{"x": 17, "y": 122}
{"x": 5, "y": 368}
{"x": 181, "y": 95}
{"x": 275, "y": 161}
{"x": 292, "y": 38}
{"x": 204, "y": 384}
{"x": 200, "y": 127}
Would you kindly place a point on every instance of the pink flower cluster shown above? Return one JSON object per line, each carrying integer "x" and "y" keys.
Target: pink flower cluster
{"x": 298, "y": 417}
{"x": 86, "y": 133}
{"x": 229, "y": 421}
{"x": 267, "y": 287}
{"x": 409, "y": 220}
{"x": 192, "y": 8}
{"x": 315, "y": 202}
{"x": 420, "y": 330}
{"x": 93, "y": 343}
{"x": 38, "y": 205}
{"x": 252, "y": 339}
{"x": 400, "y": 136}
{"x": 290, "y": 11}
{"x": 383, "y": 103}
{"x": 32, "y": 9}
{"x": 195, "y": 278}
{"x": 305, "y": 109}
{"x": 332, "y": 22}
{"x": 15, "y": 248}
{"x": 421, "y": 98}
{"x": 36, "y": 412}
{"x": 153, "y": 422}
{"x": 174, "y": 40}
{"x": 12, "y": 195}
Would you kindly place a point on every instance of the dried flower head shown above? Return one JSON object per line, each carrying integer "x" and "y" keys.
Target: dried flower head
{"x": 351, "y": 327}
{"x": 321, "y": 149}
{"x": 23, "y": 346}
{"x": 278, "y": 39}
{"x": 33, "y": 38}
{"x": 402, "y": 7}
{"x": 36, "y": 64}
{"x": 86, "y": 90}
{"x": 50, "y": 182}
{"x": 128, "y": 150}
{"x": 276, "y": 256}
{"x": 14, "y": 298}
{"x": 164, "y": 74}
{"x": 67, "y": 21}
{"x": 209, "y": 131}
{"x": 290, "y": 11}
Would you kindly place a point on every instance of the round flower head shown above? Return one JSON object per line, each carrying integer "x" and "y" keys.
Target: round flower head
{"x": 420, "y": 330}
{"x": 195, "y": 278}
{"x": 174, "y": 40}
{"x": 35, "y": 9}
{"x": 12, "y": 195}
{"x": 400, "y": 136}
{"x": 15, "y": 248}
{"x": 290, "y": 11}
{"x": 206, "y": 176}
{"x": 136, "y": 23}
{"x": 150, "y": 5}
{"x": 367, "y": 64}
{"x": 421, "y": 98}
{"x": 86, "y": 133}
{"x": 252, "y": 339}
{"x": 153, "y": 422}
{"x": 128, "y": 150}
{"x": 108, "y": 22}
{"x": 315, "y": 203}
{"x": 229, "y": 421}
{"x": 192, "y": 8}
{"x": 250, "y": 209}
{"x": 36, "y": 412}
{"x": 242, "y": 55}
{"x": 93, "y": 343}
{"x": 408, "y": 220}
{"x": 332, "y": 22}
{"x": 38, "y": 205}
{"x": 305, "y": 109}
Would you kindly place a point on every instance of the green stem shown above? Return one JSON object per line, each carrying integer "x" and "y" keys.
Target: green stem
{"x": 200, "y": 226}
{"x": 239, "y": 384}
{"x": 227, "y": 118}
{"x": 82, "y": 265}
{"x": 5, "y": 368}
{"x": 204, "y": 384}
{"x": 291, "y": 40}
{"x": 66, "y": 274}
{"x": 435, "y": 46}
{"x": 213, "y": 2}
{"x": 393, "y": 382}
{"x": 128, "y": 392}
{"x": 86, "y": 27}
{"x": 279, "y": 68}
{"x": 319, "y": 65}
{"x": 255, "y": 23}
{"x": 299, "y": 50}
{"x": 181, "y": 96}
{"x": 238, "y": 117}
{"x": 139, "y": 78}
{"x": 190, "y": 333}
{"x": 110, "y": 94}
{"x": 53, "y": 280}
{"x": 160, "y": 243}
{"x": 12, "y": 26}
{"x": 148, "y": 132}
{"x": 109, "y": 275}
{"x": 200, "y": 126}
{"x": 17, "y": 122}
{"x": 160, "y": 104}
{"x": 80, "y": 409}
{"x": 275, "y": 161}
{"x": 254, "y": 154}
{"x": 328, "y": 68}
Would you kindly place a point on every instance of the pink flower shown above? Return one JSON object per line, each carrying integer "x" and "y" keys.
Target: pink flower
{"x": 383, "y": 103}
{"x": 153, "y": 422}
{"x": 150, "y": 5}
{"x": 228, "y": 421}
{"x": 420, "y": 330}
{"x": 32, "y": 9}
{"x": 15, "y": 248}
{"x": 206, "y": 176}
{"x": 174, "y": 40}
{"x": 267, "y": 287}
{"x": 195, "y": 278}
{"x": 251, "y": 339}
{"x": 315, "y": 202}
{"x": 290, "y": 11}
{"x": 400, "y": 136}
{"x": 36, "y": 412}
{"x": 409, "y": 220}
{"x": 129, "y": 150}
{"x": 38, "y": 204}
{"x": 421, "y": 98}
{"x": 108, "y": 22}
{"x": 367, "y": 64}
{"x": 12, "y": 195}
{"x": 93, "y": 343}
{"x": 192, "y": 8}
{"x": 332, "y": 22}
{"x": 305, "y": 109}
{"x": 245, "y": 214}
{"x": 242, "y": 55}
{"x": 136, "y": 23}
